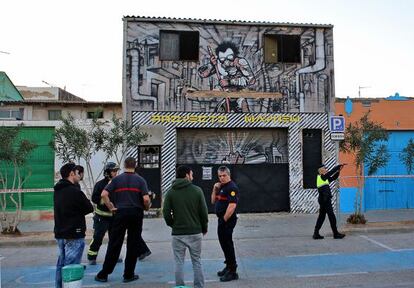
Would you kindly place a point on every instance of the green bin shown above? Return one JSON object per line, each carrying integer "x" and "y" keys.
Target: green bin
{"x": 72, "y": 275}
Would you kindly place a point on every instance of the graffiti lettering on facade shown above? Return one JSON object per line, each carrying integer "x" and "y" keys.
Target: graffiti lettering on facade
{"x": 223, "y": 119}
{"x": 270, "y": 118}
{"x": 189, "y": 119}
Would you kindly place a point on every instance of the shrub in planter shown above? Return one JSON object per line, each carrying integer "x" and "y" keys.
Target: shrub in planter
{"x": 356, "y": 218}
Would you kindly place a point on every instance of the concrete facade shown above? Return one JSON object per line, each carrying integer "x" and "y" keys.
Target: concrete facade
{"x": 38, "y": 101}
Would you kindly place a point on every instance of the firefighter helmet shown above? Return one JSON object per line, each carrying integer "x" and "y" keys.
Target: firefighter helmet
{"x": 109, "y": 167}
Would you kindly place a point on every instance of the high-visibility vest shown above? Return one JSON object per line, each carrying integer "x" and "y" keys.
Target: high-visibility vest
{"x": 320, "y": 182}
{"x": 103, "y": 213}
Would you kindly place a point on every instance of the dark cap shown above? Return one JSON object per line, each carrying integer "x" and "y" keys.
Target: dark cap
{"x": 321, "y": 166}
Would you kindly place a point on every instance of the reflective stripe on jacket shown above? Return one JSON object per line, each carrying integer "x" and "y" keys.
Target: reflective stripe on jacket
{"x": 103, "y": 213}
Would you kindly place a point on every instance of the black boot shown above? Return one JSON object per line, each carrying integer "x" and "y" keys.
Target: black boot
{"x": 338, "y": 235}
{"x": 317, "y": 236}
{"x": 92, "y": 259}
{"x": 231, "y": 274}
{"x": 221, "y": 273}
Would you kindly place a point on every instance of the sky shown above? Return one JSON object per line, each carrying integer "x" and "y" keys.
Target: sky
{"x": 78, "y": 44}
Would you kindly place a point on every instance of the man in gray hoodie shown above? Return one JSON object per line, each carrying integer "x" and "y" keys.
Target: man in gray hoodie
{"x": 185, "y": 211}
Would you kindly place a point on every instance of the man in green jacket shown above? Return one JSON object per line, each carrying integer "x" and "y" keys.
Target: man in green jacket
{"x": 185, "y": 211}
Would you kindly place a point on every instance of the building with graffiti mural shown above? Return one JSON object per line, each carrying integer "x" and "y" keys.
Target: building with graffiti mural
{"x": 251, "y": 95}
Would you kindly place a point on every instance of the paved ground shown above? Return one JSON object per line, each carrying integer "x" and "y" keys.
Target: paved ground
{"x": 273, "y": 250}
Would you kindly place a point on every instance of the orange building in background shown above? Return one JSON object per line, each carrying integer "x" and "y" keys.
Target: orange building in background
{"x": 395, "y": 114}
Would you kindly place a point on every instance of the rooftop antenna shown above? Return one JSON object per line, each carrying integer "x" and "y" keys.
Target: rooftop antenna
{"x": 48, "y": 84}
{"x": 359, "y": 90}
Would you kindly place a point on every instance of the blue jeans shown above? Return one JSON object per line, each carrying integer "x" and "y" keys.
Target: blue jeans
{"x": 70, "y": 252}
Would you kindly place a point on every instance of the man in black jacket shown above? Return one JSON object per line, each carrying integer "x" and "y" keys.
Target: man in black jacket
{"x": 102, "y": 219}
{"x": 323, "y": 179}
{"x": 70, "y": 208}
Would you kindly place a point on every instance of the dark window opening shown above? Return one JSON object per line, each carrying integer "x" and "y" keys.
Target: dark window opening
{"x": 312, "y": 156}
{"x": 94, "y": 115}
{"x": 12, "y": 114}
{"x": 179, "y": 45}
{"x": 55, "y": 114}
{"x": 149, "y": 156}
{"x": 282, "y": 48}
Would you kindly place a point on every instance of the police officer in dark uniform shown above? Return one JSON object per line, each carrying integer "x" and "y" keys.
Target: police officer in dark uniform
{"x": 225, "y": 196}
{"x": 322, "y": 182}
{"x": 103, "y": 217}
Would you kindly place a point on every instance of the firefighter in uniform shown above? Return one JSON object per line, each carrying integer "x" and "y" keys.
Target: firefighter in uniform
{"x": 127, "y": 197}
{"x": 323, "y": 179}
{"x": 225, "y": 196}
{"x": 102, "y": 219}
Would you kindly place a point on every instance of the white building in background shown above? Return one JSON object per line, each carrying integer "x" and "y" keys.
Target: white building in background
{"x": 50, "y": 103}
{"x": 43, "y": 106}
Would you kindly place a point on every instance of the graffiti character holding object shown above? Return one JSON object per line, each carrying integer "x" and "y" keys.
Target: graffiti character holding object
{"x": 233, "y": 72}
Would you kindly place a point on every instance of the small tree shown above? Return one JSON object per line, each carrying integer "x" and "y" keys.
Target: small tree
{"x": 114, "y": 138}
{"x": 14, "y": 153}
{"x": 362, "y": 139}
{"x": 73, "y": 143}
{"x": 407, "y": 156}
{"x": 119, "y": 138}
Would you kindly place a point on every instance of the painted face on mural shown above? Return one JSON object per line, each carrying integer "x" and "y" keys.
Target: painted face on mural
{"x": 232, "y": 71}
{"x": 227, "y": 57}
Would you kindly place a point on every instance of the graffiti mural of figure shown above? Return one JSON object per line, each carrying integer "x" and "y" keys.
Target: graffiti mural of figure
{"x": 233, "y": 72}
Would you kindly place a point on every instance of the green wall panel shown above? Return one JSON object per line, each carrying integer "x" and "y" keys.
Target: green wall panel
{"x": 38, "y": 201}
{"x": 41, "y": 164}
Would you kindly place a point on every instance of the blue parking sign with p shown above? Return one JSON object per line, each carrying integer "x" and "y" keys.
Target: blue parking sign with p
{"x": 337, "y": 124}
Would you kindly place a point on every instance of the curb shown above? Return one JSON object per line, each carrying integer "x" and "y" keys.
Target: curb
{"x": 28, "y": 241}
{"x": 379, "y": 227}
{"x": 46, "y": 238}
